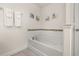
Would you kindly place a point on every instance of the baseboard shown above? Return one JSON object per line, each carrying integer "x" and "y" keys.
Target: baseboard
{"x": 14, "y": 51}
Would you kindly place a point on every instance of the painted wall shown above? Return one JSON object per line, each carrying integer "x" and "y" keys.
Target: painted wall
{"x": 15, "y": 39}
{"x": 59, "y": 21}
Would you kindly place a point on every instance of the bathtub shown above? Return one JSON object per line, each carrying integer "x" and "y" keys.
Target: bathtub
{"x": 42, "y": 49}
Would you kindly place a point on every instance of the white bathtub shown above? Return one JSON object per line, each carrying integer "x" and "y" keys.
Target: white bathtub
{"x": 42, "y": 49}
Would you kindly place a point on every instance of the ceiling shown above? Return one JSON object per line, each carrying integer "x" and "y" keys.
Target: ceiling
{"x": 42, "y": 4}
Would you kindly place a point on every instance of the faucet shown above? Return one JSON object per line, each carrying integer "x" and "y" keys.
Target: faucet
{"x": 34, "y": 38}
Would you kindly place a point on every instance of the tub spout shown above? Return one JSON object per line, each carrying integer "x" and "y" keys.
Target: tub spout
{"x": 34, "y": 38}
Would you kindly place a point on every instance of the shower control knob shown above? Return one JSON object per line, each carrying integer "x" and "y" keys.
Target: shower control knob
{"x": 33, "y": 38}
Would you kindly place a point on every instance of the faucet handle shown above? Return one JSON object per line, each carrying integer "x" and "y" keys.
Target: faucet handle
{"x": 33, "y": 38}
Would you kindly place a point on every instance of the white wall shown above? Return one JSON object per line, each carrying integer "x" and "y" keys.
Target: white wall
{"x": 15, "y": 38}
{"x": 59, "y": 10}
{"x": 32, "y": 22}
